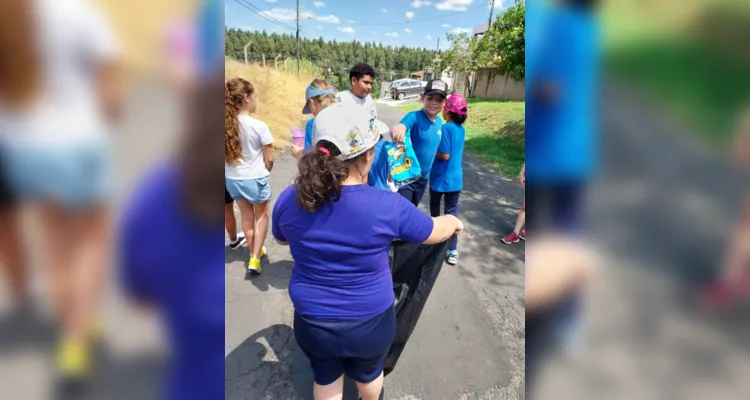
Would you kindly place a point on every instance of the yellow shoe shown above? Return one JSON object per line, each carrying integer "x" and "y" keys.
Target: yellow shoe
{"x": 254, "y": 266}
{"x": 262, "y": 252}
{"x": 74, "y": 359}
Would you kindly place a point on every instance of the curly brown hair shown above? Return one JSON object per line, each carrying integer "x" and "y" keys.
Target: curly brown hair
{"x": 234, "y": 100}
{"x": 19, "y": 66}
{"x": 321, "y": 175}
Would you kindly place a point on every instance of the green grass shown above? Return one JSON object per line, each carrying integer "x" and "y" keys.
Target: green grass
{"x": 495, "y": 132}
{"x": 698, "y": 79}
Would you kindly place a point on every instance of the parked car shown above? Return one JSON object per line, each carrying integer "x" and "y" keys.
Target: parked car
{"x": 408, "y": 87}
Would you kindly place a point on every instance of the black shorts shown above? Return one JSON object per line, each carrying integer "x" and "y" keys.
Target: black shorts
{"x": 227, "y": 197}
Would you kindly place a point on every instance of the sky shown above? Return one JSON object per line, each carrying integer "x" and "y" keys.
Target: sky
{"x": 414, "y": 23}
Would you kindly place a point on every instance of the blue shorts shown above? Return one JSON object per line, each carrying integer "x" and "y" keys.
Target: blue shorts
{"x": 357, "y": 348}
{"x": 72, "y": 176}
{"x": 255, "y": 191}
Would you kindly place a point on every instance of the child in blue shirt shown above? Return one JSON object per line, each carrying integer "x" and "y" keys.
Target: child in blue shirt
{"x": 446, "y": 177}
{"x": 425, "y": 126}
{"x": 319, "y": 95}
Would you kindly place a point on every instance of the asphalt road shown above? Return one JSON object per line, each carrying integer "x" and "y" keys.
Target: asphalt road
{"x": 469, "y": 341}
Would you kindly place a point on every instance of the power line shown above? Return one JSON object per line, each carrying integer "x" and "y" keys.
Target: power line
{"x": 261, "y": 13}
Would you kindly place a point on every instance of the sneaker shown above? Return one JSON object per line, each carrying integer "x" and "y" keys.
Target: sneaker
{"x": 262, "y": 252}
{"x": 511, "y": 238}
{"x": 74, "y": 367}
{"x": 238, "y": 242}
{"x": 452, "y": 257}
{"x": 254, "y": 266}
{"x": 522, "y": 235}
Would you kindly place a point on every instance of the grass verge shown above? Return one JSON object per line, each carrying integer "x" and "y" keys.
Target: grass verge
{"x": 495, "y": 132}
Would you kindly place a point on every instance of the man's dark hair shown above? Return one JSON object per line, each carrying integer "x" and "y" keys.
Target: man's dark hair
{"x": 359, "y": 71}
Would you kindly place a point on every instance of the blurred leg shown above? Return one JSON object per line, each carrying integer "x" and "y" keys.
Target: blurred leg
{"x": 435, "y": 198}
{"x": 230, "y": 222}
{"x": 12, "y": 254}
{"x": 334, "y": 391}
{"x": 247, "y": 213}
{"x": 371, "y": 391}
{"x": 451, "y": 207}
{"x": 261, "y": 228}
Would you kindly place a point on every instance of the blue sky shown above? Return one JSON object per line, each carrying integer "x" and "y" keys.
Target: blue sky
{"x": 393, "y": 22}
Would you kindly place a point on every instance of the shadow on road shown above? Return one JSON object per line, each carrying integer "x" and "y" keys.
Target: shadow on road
{"x": 489, "y": 205}
{"x": 275, "y": 275}
{"x": 254, "y": 373}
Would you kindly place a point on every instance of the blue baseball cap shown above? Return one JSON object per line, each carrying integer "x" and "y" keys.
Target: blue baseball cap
{"x": 311, "y": 92}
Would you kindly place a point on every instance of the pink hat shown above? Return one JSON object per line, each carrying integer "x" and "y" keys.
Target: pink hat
{"x": 456, "y": 104}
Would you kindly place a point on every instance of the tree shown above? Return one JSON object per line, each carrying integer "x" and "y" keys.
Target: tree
{"x": 504, "y": 46}
{"x": 460, "y": 57}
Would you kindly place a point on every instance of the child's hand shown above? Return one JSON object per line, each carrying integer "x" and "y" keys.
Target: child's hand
{"x": 398, "y": 133}
{"x": 297, "y": 152}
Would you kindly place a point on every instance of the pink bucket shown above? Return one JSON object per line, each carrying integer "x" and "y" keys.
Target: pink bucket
{"x": 298, "y": 137}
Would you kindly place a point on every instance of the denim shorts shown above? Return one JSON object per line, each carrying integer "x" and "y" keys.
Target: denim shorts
{"x": 73, "y": 176}
{"x": 357, "y": 348}
{"x": 255, "y": 191}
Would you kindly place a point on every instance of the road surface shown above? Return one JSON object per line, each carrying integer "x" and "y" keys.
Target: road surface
{"x": 469, "y": 341}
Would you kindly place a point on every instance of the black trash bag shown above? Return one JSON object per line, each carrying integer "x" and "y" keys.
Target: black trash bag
{"x": 415, "y": 269}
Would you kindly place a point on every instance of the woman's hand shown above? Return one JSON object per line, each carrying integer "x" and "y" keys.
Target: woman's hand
{"x": 459, "y": 227}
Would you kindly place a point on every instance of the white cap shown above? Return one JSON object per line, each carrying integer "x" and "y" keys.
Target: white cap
{"x": 349, "y": 127}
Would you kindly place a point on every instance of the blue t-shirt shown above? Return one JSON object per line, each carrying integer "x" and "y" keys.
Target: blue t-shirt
{"x": 341, "y": 267}
{"x": 378, "y": 176}
{"x": 308, "y": 135}
{"x": 425, "y": 138}
{"x": 561, "y": 136}
{"x": 447, "y": 175}
{"x": 175, "y": 265}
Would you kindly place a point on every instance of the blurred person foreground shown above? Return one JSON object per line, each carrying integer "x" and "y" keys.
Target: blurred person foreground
{"x": 85, "y": 114}
{"x": 665, "y": 314}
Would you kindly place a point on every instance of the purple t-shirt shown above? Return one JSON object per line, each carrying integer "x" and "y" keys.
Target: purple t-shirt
{"x": 341, "y": 268}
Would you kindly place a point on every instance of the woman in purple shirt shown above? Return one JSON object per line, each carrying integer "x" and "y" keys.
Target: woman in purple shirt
{"x": 339, "y": 230}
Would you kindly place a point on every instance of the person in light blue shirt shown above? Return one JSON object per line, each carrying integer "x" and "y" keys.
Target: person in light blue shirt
{"x": 318, "y": 95}
{"x": 446, "y": 177}
{"x": 425, "y": 126}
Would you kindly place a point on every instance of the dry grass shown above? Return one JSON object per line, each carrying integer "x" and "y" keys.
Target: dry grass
{"x": 281, "y": 97}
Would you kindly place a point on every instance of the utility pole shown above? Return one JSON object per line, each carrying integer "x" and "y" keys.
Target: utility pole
{"x": 298, "y": 58}
{"x": 276, "y": 62}
{"x": 489, "y": 24}
{"x": 246, "y": 46}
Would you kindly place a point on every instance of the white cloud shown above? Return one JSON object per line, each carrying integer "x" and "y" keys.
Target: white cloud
{"x": 454, "y": 5}
{"x": 348, "y": 29}
{"x": 392, "y": 34}
{"x": 287, "y": 14}
{"x": 384, "y": 10}
{"x": 331, "y": 19}
{"x": 407, "y": 30}
{"x": 447, "y": 26}
{"x": 409, "y": 15}
{"x": 420, "y": 3}
{"x": 318, "y": 4}
{"x": 460, "y": 30}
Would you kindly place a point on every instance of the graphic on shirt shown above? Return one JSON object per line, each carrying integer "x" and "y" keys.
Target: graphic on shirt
{"x": 355, "y": 144}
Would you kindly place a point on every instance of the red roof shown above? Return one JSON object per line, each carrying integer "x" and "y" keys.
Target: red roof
{"x": 418, "y": 73}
